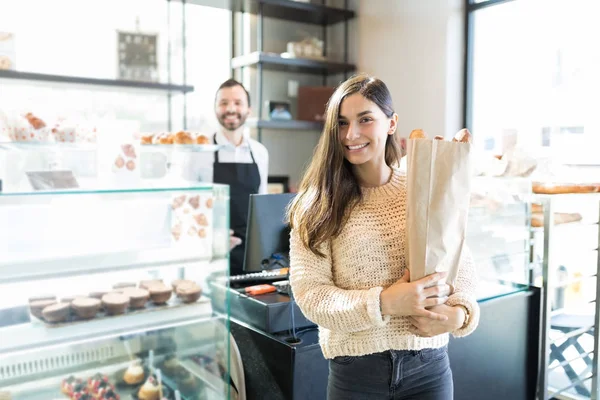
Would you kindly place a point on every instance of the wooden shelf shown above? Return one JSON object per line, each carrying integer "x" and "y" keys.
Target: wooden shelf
{"x": 310, "y": 13}
{"x": 285, "y": 125}
{"x": 275, "y": 62}
{"x": 30, "y": 76}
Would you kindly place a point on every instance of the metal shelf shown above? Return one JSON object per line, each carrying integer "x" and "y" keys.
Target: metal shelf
{"x": 31, "y": 76}
{"x": 275, "y": 62}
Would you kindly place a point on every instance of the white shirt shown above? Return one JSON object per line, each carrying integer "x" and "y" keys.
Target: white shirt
{"x": 199, "y": 166}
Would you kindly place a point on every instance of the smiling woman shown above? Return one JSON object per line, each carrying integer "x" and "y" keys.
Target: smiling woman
{"x": 385, "y": 335}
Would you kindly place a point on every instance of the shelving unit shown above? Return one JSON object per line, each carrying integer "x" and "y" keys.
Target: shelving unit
{"x": 293, "y": 11}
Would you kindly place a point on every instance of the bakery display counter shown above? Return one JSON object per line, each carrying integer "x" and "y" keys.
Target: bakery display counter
{"x": 98, "y": 282}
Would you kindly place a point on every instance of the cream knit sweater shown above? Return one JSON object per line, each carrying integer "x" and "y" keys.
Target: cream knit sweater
{"x": 340, "y": 293}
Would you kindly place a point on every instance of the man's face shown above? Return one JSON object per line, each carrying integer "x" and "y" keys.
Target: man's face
{"x": 231, "y": 107}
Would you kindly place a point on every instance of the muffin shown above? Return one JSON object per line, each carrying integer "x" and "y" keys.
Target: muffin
{"x": 137, "y": 297}
{"x": 160, "y": 294}
{"x": 147, "y": 283}
{"x": 36, "y": 307}
{"x": 86, "y": 307}
{"x": 189, "y": 292}
{"x": 58, "y": 312}
{"x": 149, "y": 390}
{"x": 115, "y": 303}
{"x": 163, "y": 138}
{"x": 134, "y": 373}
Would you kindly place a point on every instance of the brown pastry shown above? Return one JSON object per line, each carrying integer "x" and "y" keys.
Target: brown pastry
{"x": 130, "y": 165}
{"x": 70, "y": 299}
{"x": 189, "y": 292}
{"x": 194, "y": 201}
{"x": 97, "y": 295}
{"x": 183, "y": 138}
{"x": 163, "y": 138}
{"x": 176, "y": 231}
{"x": 417, "y": 134}
{"x": 160, "y": 294}
{"x": 558, "y": 188}
{"x": 146, "y": 284}
{"x": 36, "y": 307}
{"x": 128, "y": 150}
{"x": 146, "y": 139}
{"x": 119, "y": 162}
{"x": 149, "y": 390}
{"x": 537, "y": 208}
{"x": 42, "y": 297}
{"x": 58, "y": 312}
{"x": 178, "y": 282}
{"x": 201, "y": 219}
{"x": 537, "y": 219}
{"x": 209, "y": 202}
{"x": 137, "y": 297}
{"x": 201, "y": 139}
{"x": 178, "y": 201}
{"x": 34, "y": 121}
{"x": 122, "y": 285}
{"x": 463, "y": 136}
{"x": 115, "y": 303}
{"x": 86, "y": 307}
{"x": 134, "y": 373}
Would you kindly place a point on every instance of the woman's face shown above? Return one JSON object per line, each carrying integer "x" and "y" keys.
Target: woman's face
{"x": 363, "y": 130}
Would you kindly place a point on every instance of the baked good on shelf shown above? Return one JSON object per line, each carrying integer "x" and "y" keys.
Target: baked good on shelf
{"x": 178, "y": 282}
{"x": 98, "y": 295}
{"x": 115, "y": 303}
{"x": 58, "y": 312}
{"x": 42, "y": 297}
{"x": 201, "y": 233}
{"x": 163, "y": 138}
{"x": 463, "y": 136}
{"x": 119, "y": 287}
{"x": 134, "y": 374}
{"x": 189, "y": 292}
{"x": 147, "y": 283}
{"x": 130, "y": 165}
{"x": 34, "y": 121}
{"x": 80, "y": 392}
{"x": 36, "y": 307}
{"x": 68, "y": 384}
{"x": 201, "y": 139}
{"x": 86, "y": 307}
{"x": 161, "y": 293}
{"x": 182, "y": 137}
{"x": 128, "y": 150}
{"x": 194, "y": 201}
{"x": 564, "y": 188}
{"x": 146, "y": 139}
{"x": 119, "y": 162}
{"x": 149, "y": 390}
{"x": 97, "y": 381}
{"x": 176, "y": 231}
{"x": 137, "y": 297}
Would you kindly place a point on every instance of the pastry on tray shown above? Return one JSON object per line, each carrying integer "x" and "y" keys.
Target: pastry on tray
{"x": 58, "y": 312}
{"x": 150, "y": 390}
{"x": 137, "y": 297}
{"x": 160, "y": 294}
{"x": 183, "y": 138}
{"x": 86, "y": 307}
{"x": 120, "y": 286}
{"x": 189, "y": 292}
{"x": 147, "y": 283}
{"x": 163, "y": 138}
{"x": 201, "y": 139}
{"x": 134, "y": 374}
{"x": 115, "y": 303}
{"x": 178, "y": 282}
{"x": 194, "y": 201}
{"x": 146, "y": 139}
{"x": 36, "y": 307}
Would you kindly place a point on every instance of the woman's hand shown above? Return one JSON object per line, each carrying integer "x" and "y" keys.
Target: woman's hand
{"x": 405, "y": 298}
{"x": 428, "y": 327}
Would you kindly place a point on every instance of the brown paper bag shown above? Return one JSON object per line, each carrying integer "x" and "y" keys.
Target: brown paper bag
{"x": 438, "y": 195}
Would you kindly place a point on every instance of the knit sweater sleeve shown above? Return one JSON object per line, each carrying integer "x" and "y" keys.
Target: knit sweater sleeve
{"x": 464, "y": 293}
{"x": 321, "y": 301}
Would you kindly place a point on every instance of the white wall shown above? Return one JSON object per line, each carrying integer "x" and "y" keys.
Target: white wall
{"x": 417, "y": 48}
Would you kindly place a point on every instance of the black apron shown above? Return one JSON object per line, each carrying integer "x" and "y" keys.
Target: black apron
{"x": 243, "y": 180}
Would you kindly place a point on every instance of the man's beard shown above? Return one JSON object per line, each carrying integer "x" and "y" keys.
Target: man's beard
{"x": 232, "y": 125}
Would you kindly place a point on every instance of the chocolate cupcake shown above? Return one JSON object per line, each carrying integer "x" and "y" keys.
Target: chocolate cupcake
{"x": 36, "y": 307}
{"x": 86, "y": 307}
{"x": 189, "y": 292}
{"x": 137, "y": 297}
{"x": 115, "y": 303}
{"x": 58, "y": 312}
{"x": 160, "y": 294}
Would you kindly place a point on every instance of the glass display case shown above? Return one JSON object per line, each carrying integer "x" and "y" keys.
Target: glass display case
{"x": 498, "y": 230}
{"x": 104, "y": 285}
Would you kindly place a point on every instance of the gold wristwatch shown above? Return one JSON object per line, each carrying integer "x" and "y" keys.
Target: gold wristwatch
{"x": 467, "y": 315}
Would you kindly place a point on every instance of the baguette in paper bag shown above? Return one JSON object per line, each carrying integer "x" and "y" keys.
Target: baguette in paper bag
{"x": 438, "y": 195}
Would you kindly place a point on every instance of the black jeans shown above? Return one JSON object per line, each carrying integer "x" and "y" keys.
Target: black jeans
{"x": 394, "y": 375}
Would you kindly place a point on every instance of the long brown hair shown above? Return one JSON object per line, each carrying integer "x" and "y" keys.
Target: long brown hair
{"x": 329, "y": 190}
